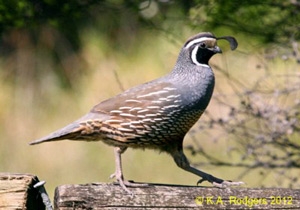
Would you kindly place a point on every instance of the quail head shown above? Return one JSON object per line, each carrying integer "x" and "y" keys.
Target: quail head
{"x": 157, "y": 114}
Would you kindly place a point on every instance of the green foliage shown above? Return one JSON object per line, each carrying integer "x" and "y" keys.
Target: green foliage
{"x": 271, "y": 21}
{"x": 32, "y": 16}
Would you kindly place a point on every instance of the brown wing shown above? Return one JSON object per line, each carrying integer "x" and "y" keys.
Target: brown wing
{"x": 144, "y": 116}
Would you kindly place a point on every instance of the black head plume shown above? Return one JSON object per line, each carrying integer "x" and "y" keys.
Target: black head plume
{"x": 232, "y": 41}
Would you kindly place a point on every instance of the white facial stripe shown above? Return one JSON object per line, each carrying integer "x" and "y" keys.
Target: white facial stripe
{"x": 194, "y": 57}
{"x": 199, "y": 40}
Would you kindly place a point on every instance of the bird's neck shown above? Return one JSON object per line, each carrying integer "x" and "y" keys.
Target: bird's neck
{"x": 195, "y": 83}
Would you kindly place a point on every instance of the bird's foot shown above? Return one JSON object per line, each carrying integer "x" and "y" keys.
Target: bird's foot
{"x": 125, "y": 183}
{"x": 220, "y": 183}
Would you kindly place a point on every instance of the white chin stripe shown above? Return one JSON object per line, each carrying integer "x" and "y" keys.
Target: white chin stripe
{"x": 194, "y": 58}
{"x": 199, "y": 40}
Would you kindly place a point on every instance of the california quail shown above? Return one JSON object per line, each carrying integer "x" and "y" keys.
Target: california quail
{"x": 157, "y": 114}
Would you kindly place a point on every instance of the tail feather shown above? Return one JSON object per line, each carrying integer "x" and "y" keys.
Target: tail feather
{"x": 69, "y": 132}
{"x": 75, "y": 130}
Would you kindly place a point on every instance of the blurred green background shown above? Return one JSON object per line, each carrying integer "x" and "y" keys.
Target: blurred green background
{"x": 60, "y": 59}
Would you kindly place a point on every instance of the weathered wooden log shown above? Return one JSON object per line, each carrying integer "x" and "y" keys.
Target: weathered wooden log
{"x": 157, "y": 196}
{"x": 17, "y": 192}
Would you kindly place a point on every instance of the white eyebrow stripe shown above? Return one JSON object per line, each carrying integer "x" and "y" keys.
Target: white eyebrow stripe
{"x": 198, "y": 40}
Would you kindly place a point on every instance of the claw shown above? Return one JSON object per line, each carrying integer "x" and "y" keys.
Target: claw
{"x": 200, "y": 181}
{"x": 112, "y": 176}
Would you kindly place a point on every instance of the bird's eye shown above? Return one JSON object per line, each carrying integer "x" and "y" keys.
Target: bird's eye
{"x": 203, "y": 45}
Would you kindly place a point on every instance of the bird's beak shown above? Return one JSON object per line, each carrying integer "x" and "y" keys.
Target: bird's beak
{"x": 217, "y": 49}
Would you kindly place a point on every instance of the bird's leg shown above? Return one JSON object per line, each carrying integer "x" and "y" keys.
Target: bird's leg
{"x": 118, "y": 162}
{"x": 119, "y": 172}
{"x": 183, "y": 163}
